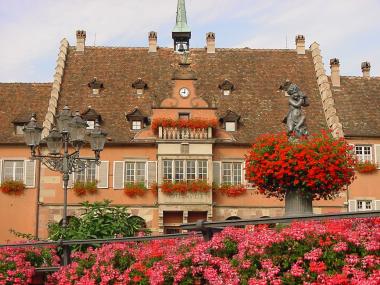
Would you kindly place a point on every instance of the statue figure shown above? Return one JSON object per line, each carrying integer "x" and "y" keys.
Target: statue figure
{"x": 295, "y": 119}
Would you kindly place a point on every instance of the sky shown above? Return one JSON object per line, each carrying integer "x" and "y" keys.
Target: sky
{"x": 31, "y": 30}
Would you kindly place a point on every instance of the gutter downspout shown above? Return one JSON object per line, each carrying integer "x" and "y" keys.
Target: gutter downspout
{"x": 38, "y": 188}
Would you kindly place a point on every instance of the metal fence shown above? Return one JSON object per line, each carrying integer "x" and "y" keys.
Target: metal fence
{"x": 206, "y": 229}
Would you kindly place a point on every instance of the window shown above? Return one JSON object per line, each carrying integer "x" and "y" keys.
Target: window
{"x": 363, "y": 152}
{"x": 135, "y": 172}
{"x": 364, "y": 205}
{"x": 139, "y": 91}
{"x": 230, "y": 126}
{"x": 88, "y": 174}
{"x": 136, "y": 125}
{"x": 184, "y": 116}
{"x": 232, "y": 173}
{"x": 185, "y": 170}
{"x": 226, "y": 92}
{"x": 13, "y": 170}
{"x": 91, "y": 125}
{"x": 19, "y": 129}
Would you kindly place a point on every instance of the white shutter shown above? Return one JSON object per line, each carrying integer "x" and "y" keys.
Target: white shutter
{"x": 151, "y": 173}
{"x": 216, "y": 172}
{"x": 376, "y": 204}
{"x": 118, "y": 174}
{"x": 70, "y": 184}
{"x": 29, "y": 173}
{"x": 377, "y": 154}
{"x": 102, "y": 174}
{"x": 352, "y": 205}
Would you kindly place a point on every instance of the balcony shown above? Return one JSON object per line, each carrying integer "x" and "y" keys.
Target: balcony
{"x": 178, "y": 133}
{"x": 191, "y": 129}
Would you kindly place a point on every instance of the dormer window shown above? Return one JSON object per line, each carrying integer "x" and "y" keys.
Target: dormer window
{"x": 91, "y": 116}
{"x": 19, "y": 129}
{"x": 230, "y": 121}
{"x": 184, "y": 116}
{"x": 136, "y": 119}
{"x": 96, "y": 86}
{"x": 140, "y": 85}
{"x": 226, "y": 87}
{"x": 136, "y": 125}
{"x": 20, "y": 121}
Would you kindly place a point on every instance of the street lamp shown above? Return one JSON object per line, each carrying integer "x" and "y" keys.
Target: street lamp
{"x": 71, "y": 130}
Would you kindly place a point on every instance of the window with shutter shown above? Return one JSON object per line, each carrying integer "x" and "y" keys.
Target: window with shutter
{"x": 102, "y": 174}
{"x": 377, "y": 204}
{"x": 377, "y": 155}
{"x": 352, "y": 206}
{"x": 152, "y": 172}
{"x": 216, "y": 172}
{"x": 13, "y": 170}
{"x": 29, "y": 176}
{"x": 118, "y": 174}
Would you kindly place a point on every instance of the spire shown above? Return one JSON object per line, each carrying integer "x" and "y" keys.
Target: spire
{"x": 181, "y": 33}
{"x": 181, "y": 21}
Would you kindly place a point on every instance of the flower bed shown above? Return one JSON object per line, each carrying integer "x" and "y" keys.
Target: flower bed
{"x": 317, "y": 166}
{"x": 82, "y": 188}
{"x": 231, "y": 190}
{"x": 135, "y": 189}
{"x": 194, "y": 123}
{"x": 17, "y": 265}
{"x": 365, "y": 167}
{"x": 183, "y": 187}
{"x": 12, "y": 187}
{"x": 336, "y": 252}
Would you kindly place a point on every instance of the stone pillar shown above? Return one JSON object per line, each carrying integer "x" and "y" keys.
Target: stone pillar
{"x": 300, "y": 44}
{"x": 366, "y": 67}
{"x": 297, "y": 204}
{"x": 152, "y": 38}
{"x": 81, "y": 39}
{"x": 335, "y": 72}
{"x": 210, "y": 42}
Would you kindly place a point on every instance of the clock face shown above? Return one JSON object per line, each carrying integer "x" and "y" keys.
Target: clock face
{"x": 184, "y": 92}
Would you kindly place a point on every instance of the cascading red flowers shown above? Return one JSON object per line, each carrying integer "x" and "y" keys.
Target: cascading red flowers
{"x": 183, "y": 187}
{"x": 366, "y": 167}
{"x": 194, "y": 123}
{"x": 319, "y": 165}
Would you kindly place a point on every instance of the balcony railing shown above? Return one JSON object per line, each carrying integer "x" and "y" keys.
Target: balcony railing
{"x": 177, "y": 133}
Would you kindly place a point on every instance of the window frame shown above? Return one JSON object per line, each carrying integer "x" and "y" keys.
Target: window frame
{"x": 229, "y": 123}
{"x": 135, "y": 163}
{"x": 133, "y": 127}
{"x": 86, "y": 173}
{"x": 363, "y": 157}
{"x": 14, "y": 161}
{"x": 184, "y": 163}
{"x": 233, "y": 180}
{"x": 361, "y": 205}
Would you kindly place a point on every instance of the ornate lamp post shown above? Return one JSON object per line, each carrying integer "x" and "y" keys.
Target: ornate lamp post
{"x": 71, "y": 130}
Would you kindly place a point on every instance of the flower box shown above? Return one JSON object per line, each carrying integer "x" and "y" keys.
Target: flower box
{"x": 135, "y": 189}
{"x": 82, "y": 188}
{"x": 194, "y": 123}
{"x": 231, "y": 190}
{"x": 14, "y": 187}
{"x": 183, "y": 187}
{"x": 365, "y": 167}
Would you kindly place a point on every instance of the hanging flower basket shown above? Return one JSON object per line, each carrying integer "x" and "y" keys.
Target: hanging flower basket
{"x": 14, "y": 187}
{"x": 183, "y": 187}
{"x": 316, "y": 167}
{"x": 135, "y": 189}
{"x": 82, "y": 188}
{"x": 365, "y": 167}
{"x": 231, "y": 190}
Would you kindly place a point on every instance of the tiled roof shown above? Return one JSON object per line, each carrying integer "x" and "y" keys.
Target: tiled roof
{"x": 17, "y": 102}
{"x": 256, "y": 75}
{"x": 358, "y": 105}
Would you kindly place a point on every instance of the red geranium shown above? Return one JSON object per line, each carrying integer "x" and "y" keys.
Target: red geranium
{"x": 184, "y": 187}
{"x": 319, "y": 166}
{"x": 135, "y": 189}
{"x": 194, "y": 123}
{"x": 365, "y": 167}
{"x": 232, "y": 190}
{"x": 12, "y": 187}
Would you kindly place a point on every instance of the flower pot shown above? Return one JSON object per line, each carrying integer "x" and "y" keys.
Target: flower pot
{"x": 298, "y": 204}
{"x": 38, "y": 278}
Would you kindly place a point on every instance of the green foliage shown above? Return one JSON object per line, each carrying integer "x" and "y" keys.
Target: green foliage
{"x": 99, "y": 220}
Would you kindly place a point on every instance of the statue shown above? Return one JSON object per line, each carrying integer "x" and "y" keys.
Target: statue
{"x": 295, "y": 119}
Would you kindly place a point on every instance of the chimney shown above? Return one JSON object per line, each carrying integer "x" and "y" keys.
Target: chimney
{"x": 300, "y": 44}
{"x": 152, "y": 41}
{"x": 210, "y": 41}
{"x": 81, "y": 38}
{"x": 335, "y": 72}
{"x": 366, "y": 67}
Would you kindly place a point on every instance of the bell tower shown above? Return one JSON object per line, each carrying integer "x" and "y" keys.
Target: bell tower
{"x": 181, "y": 33}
